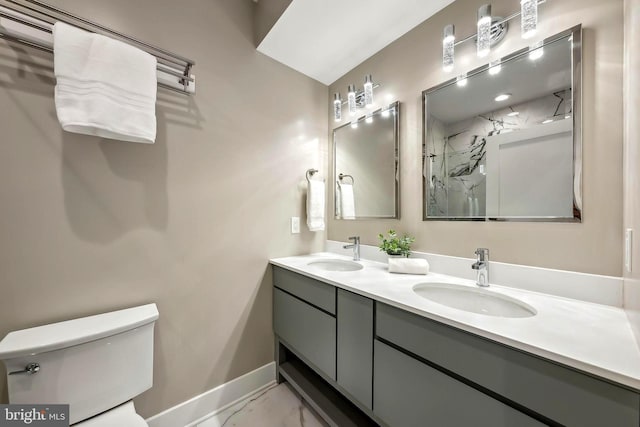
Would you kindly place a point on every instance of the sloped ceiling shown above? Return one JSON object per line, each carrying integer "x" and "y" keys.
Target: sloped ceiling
{"x": 324, "y": 39}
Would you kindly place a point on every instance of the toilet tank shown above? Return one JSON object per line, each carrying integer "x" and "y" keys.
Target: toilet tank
{"x": 92, "y": 363}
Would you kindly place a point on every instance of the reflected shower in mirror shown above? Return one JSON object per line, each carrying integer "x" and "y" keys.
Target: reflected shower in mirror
{"x": 365, "y": 168}
{"x": 507, "y": 144}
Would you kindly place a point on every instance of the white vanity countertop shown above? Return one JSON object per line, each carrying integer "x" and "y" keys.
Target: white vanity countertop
{"x": 593, "y": 338}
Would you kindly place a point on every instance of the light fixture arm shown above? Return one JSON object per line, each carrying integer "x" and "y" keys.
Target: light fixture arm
{"x": 360, "y": 96}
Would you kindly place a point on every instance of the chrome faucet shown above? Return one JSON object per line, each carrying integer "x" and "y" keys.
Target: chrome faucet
{"x": 482, "y": 267}
{"x": 355, "y": 246}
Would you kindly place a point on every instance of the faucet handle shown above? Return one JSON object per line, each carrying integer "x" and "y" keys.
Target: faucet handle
{"x": 356, "y": 239}
{"x": 482, "y": 253}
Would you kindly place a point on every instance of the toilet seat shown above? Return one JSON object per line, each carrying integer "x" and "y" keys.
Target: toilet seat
{"x": 121, "y": 416}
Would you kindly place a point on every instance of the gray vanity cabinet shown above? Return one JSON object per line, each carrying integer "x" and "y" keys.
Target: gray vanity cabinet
{"x": 355, "y": 346}
{"x": 546, "y": 390}
{"x": 304, "y": 319}
{"x": 409, "y": 393}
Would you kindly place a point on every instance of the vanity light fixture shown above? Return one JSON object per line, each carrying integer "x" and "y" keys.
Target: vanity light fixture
{"x": 484, "y": 30}
{"x": 448, "y": 47}
{"x": 368, "y": 119}
{"x": 528, "y": 17}
{"x": 337, "y": 107}
{"x": 502, "y": 97}
{"x": 368, "y": 91}
{"x": 351, "y": 99}
{"x": 495, "y": 67}
{"x": 536, "y": 51}
{"x": 461, "y": 80}
{"x": 355, "y": 98}
{"x": 490, "y": 31}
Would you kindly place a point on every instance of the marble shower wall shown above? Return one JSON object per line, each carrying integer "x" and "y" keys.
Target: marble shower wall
{"x": 457, "y": 152}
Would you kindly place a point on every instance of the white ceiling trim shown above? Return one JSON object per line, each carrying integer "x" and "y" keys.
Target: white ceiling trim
{"x": 324, "y": 39}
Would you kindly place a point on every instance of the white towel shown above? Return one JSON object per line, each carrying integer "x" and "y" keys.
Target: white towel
{"x": 315, "y": 205}
{"x": 408, "y": 265}
{"x": 104, "y": 87}
{"x": 347, "y": 202}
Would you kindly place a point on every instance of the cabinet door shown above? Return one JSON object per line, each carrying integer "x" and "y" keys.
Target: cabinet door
{"x": 410, "y": 393}
{"x": 309, "y": 332}
{"x": 355, "y": 346}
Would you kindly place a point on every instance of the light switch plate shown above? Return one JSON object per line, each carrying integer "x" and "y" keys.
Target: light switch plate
{"x": 628, "y": 248}
{"x": 295, "y": 225}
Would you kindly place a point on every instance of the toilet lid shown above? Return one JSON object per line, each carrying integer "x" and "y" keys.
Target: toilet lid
{"x": 120, "y": 416}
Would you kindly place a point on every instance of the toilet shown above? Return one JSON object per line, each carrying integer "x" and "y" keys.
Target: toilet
{"x": 96, "y": 364}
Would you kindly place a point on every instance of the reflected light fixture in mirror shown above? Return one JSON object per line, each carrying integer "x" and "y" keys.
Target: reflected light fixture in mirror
{"x": 484, "y": 30}
{"x": 354, "y": 124}
{"x": 461, "y": 80}
{"x": 368, "y": 119}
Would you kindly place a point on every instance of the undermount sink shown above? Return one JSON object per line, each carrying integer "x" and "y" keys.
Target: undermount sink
{"x": 480, "y": 301}
{"x": 336, "y": 265}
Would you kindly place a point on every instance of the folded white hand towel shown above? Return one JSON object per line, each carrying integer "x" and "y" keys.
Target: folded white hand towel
{"x": 347, "y": 202}
{"x": 408, "y": 265}
{"x": 315, "y": 205}
{"x": 104, "y": 87}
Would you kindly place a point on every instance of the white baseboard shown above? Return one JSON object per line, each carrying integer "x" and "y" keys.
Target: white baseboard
{"x": 209, "y": 403}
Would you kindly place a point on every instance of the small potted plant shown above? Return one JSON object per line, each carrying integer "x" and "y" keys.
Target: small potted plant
{"x": 396, "y": 246}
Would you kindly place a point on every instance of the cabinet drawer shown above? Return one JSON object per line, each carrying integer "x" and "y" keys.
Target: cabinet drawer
{"x": 310, "y": 332}
{"x": 561, "y": 394}
{"x": 315, "y": 292}
{"x": 409, "y": 393}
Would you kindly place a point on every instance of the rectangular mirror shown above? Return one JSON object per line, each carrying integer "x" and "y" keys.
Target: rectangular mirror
{"x": 504, "y": 142}
{"x": 366, "y": 166}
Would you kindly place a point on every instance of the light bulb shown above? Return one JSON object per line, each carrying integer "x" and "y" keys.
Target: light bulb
{"x": 368, "y": 91}
{"x": 495, "y": 67}
{"x": 461, "y": 80}
{"x": 502, "y": 97}
{"x": 337, "y": 107}
{"x": 529, "y": 17}
{"x": 536, "y": 50}
{"x": 484, "y": 30}
{"x": 351, "y": 99}
{"x": 448, "y": 43}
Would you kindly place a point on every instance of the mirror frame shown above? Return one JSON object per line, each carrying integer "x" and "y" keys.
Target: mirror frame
{"x": 576, "y": 100}
{"x": 396, "y": 135}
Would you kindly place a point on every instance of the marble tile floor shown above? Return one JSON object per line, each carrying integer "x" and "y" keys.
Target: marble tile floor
{"x": 278, "y": 406}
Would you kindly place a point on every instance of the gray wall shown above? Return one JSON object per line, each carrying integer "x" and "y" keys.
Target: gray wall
{"x": 413, "y": 63}
{"x": 632, "y": 154}
{"x": 90, "y": 225}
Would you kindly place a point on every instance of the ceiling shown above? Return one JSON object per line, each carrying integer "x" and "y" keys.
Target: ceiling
{"x": 326, "y": 39}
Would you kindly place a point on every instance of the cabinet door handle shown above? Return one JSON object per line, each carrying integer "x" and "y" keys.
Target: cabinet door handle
{"x": 30, "y": 369}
